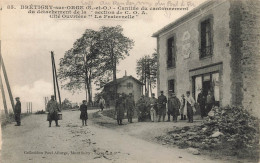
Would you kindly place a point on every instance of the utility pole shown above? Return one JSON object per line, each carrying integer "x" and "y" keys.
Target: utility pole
{"x": 2, "y": 66}
{"x": 55, "y": 78}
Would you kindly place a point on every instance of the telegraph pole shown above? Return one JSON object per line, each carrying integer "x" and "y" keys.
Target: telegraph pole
{"x": 55, "y": 78}
{"x": 7, "y": 84}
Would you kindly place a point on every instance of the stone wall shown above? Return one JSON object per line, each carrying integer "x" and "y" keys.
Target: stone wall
{"x": 250, "y": 54}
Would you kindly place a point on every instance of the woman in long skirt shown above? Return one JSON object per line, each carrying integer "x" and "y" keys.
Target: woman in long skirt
{"x": 84, "y": 112}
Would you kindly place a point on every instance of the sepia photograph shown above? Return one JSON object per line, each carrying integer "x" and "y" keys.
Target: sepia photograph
{"x": 129, "y": 81}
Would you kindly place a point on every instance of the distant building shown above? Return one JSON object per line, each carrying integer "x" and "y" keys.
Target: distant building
{"x": 126, "y": 84}
{"x": 215, "y": 47}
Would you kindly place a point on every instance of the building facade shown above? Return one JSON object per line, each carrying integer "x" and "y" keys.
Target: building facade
{"x": 215, "y": 47}
{"x": 126, "y": 85}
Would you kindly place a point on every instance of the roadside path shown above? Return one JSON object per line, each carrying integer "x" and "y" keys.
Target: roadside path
{"x": 34, "y": 142}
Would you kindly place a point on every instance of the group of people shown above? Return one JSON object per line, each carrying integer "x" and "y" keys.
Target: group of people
{"x": 147, "y": 108}
{"x": 156, "y": 109}
{"x": 184, "y": 107}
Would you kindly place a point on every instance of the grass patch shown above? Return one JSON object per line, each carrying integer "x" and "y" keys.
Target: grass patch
{"x": 9, "y": 118}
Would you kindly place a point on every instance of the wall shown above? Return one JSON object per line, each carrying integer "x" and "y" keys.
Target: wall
{"x": 247, "y": 15}
{"x": 136, "y": 90}
{"x": 187, "y": 42}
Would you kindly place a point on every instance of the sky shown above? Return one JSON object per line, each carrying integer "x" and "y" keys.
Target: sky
{"x": 28, "y": 39}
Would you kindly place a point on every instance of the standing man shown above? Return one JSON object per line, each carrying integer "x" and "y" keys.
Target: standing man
{"x": 173, "y": 107}
{"x": 17, "y": 111}
{"x": 52, "y": 109}
{"x": 190, "y": 106}
{"x": 130, "y": 105}
{"x": 153, "y": 109}
{"x": 162, "y": 100}
{"x": 183, "y": 109}
{"x": 119, "y": 109}
{"x": 102, "y": 103}
{"x": 210, "y": 101}
{"x": 201, "y": 100}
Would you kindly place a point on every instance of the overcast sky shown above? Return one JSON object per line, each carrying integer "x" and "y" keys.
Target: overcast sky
{"x": 28, "y": 39}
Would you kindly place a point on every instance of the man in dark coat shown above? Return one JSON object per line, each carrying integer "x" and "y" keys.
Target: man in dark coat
{"x": 162, "y": 100}
{"x": 53, "y": 108}
{"x": 17, "y": 111}
{"x": 130, "y": 105}
{"x": 210, "y": 101}
{"x": 84, "y": 112}
{"x": 173, "y": 107}
{"x": 120, "y": 109}
{"x": 201, "y": 100}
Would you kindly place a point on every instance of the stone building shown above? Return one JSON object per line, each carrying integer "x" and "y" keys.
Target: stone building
{"x": 215, "y": 47}
{"x": 126, "y": 84}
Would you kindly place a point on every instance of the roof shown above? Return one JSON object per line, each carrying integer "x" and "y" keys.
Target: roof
{"x": 184, "y": 18}
{"x": 120, "y": 80}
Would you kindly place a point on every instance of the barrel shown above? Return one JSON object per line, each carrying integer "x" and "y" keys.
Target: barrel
{"x": 59, "y": 116}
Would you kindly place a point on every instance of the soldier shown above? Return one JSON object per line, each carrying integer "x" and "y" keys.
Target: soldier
{"x": 153, "y": 109}
{"x": 52, "y": 109}
{"x": 130, "y": 105}
{"x": 119, "y": 109}
{"x": 17, "y": 111}
{"x": 173, "y": 107}
{"x": 162, "y": 100}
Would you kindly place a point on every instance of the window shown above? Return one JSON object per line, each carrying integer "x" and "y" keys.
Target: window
{"x": 171, "y": 85}
{"x": 171, "y": 53}
{"x": 129, "y": 85}
{"x": 206, "y": 39}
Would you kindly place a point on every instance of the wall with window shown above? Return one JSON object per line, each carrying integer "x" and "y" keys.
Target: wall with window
{"x": 130, "y": 86}
{"x": 200, "y": 41}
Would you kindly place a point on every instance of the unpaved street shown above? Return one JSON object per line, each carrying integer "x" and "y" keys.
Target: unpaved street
{"x": 34, "y": 142}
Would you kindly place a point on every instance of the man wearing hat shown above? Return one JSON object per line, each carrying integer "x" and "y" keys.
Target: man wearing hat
{"x": 53, "y": 108}
{"x": 162, "y": 100}
{"x": 17, "y": 111}
{"x": 173, "y": 107}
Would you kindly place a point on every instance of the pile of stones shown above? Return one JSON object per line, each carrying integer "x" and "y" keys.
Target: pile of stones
{"x": 232, "y": 127}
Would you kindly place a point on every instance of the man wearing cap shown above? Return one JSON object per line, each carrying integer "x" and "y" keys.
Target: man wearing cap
{"x": 130, "y": 105}
{"x": 120, "y": 109}
{"x": 53, "y": 108}
{"x": 173, "y": 107}
{"x": 17, "y": 111}
{"x": 162, "y": 100}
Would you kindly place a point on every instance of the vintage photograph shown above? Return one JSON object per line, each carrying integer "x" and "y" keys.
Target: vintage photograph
{"x": 126, "y": 81}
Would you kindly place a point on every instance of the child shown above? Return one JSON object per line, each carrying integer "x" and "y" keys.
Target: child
{"x": 84, "y": 113}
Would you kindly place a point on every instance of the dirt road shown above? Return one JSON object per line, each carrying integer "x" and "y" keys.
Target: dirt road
{"x": 34, "y": 142}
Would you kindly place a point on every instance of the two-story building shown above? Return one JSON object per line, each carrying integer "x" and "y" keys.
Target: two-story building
{"x": 215, "y": 47}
